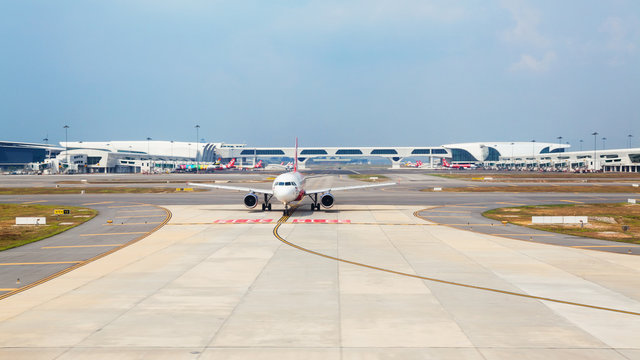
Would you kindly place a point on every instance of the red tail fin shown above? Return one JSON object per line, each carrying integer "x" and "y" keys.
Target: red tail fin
{"x": 445, "y": 163}
{"x": 295, "y": 166}
{"x": 231, "y": 163}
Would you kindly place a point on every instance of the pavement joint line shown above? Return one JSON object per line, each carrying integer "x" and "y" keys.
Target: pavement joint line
{"x": 127, "y": 206}
{"x": 99, "y": 203}
{"x": 537, "y": 235}
{"x": 78, "y": 246}
{"x": 144, "y": 223}
{"x": 121, "y": 233}
{"x": 137, "y": 211}
{"x": 606, "y": 246}
{"x": 97, "y": 257}
{"x": 449, "y": 211}
{"x": 41, "y": 263}
{"x": 137, "y": 216}
{"x": 284, "y": 219}
{"x": 448, "y": 216}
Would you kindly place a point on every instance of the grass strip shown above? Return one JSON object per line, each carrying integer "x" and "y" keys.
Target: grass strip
{"x": 606, "y": 221}
{"x": 12, "y": 235}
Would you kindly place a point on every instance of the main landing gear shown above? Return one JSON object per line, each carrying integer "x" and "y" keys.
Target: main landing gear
{"x": 316, "y": 204}
{"x": 266, "y": 205}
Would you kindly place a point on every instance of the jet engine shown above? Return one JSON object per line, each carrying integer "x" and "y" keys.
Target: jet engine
{"x": 250, "y": 200}
{"x": 326, "y": 200}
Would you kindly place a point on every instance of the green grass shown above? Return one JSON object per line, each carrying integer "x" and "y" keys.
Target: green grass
{"x": 12, "y": 236}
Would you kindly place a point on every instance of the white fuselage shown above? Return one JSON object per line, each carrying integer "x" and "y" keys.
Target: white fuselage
{"x": 289, "y": 187}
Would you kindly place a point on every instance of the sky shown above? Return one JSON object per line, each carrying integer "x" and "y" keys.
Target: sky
{"x": 333, "y": 73}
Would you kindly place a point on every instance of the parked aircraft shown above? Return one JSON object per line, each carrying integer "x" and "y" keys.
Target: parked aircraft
{"x": 457, "y": 166}
{"x": 287, "y": 188}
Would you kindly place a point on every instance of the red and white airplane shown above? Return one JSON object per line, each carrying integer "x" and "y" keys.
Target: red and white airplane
{"x": 287, "y": 188}
{"x": 417, "y": 164}
{"x": 457, "y": 166}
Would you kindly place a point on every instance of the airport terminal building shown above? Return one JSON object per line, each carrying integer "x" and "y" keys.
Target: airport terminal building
{"x": 162, "y": 156}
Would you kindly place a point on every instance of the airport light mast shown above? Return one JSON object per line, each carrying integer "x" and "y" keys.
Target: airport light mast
{"x": 595, "y": 142}
{"x": 629, "y": 136}
{"x": 197, "y": 145}
{"x": 66, "y": 144}
{"x": 149, "y": 153}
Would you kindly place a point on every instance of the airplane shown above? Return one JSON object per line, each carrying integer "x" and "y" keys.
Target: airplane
{"x": 417, "y": 164}
{"x": 230, "y": 165}
{"x": 287, "y": 188}
{"x": 282, "y": 166}
{"x": 457, "y": 166}
{"x": 258, "y": 165}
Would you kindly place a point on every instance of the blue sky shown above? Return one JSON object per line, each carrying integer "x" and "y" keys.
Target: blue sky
{"x": 370, "y": 72}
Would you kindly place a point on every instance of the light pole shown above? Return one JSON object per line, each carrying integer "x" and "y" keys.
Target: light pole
{"x": 603, "y": 142}
{"x": 629, "y": 136}
{"x": 66, "y": 143}
{"x": 197, "y": 146}
{"x": 533, "y": 153}
{"x": 172, "y": 159}
{"x": 149, "y": 154}
{"x": 595, "y": 134}
{"x": 580, "y": 144}
{"x": 513, "y": 161}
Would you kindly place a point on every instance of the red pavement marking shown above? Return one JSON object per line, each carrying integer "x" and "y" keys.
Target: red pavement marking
{"x": 330, "y": 221}
{"x": 242, "y": 221}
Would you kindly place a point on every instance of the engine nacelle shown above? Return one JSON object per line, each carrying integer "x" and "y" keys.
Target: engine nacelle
{"x": 250, "y": 200}
{"x": 326, "y": 200}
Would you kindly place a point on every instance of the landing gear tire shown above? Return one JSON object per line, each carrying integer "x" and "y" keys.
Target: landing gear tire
{"x": 269, "y": 207}
{"x": 313, "y": 207}
{"x": 318, "y": 207}
{"x": 264, "y": 207}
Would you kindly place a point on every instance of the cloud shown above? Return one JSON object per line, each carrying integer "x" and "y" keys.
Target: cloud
{"x": 618, "y": 40}
{"x": 525, "y": 31}
{"x": 529, "y": 63}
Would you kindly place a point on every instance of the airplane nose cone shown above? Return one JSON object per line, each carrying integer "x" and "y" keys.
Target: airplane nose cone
{"x": 284, "y": 194}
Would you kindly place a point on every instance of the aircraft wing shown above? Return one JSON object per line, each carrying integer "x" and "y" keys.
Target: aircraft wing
{"x": 347, "y": 188}
{"x": 235, "y": 188}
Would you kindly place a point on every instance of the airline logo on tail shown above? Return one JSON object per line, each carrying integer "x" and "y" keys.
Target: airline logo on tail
{"x": 231, "y": 164}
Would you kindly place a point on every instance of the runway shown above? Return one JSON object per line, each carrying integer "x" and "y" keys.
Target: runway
{"x": 374, "y": 277}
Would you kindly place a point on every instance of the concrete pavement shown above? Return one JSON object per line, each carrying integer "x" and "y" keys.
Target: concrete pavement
{"x": 199, "y": 290}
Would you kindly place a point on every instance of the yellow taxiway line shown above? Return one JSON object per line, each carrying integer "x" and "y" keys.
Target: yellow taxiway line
{"x": 573, "y": 201}
{"x": 99, "y": 203}
{"x": 34, "y": 202}
{"x": 122, "y": 233}
{"x": 284, "y": 219}
{"x": 78, "y": 246}
{"x": 127, "y": 206}
{"x": 139, "y": 216}
{"x": 41, "y": 263}
{"x": 147, "y": 223}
